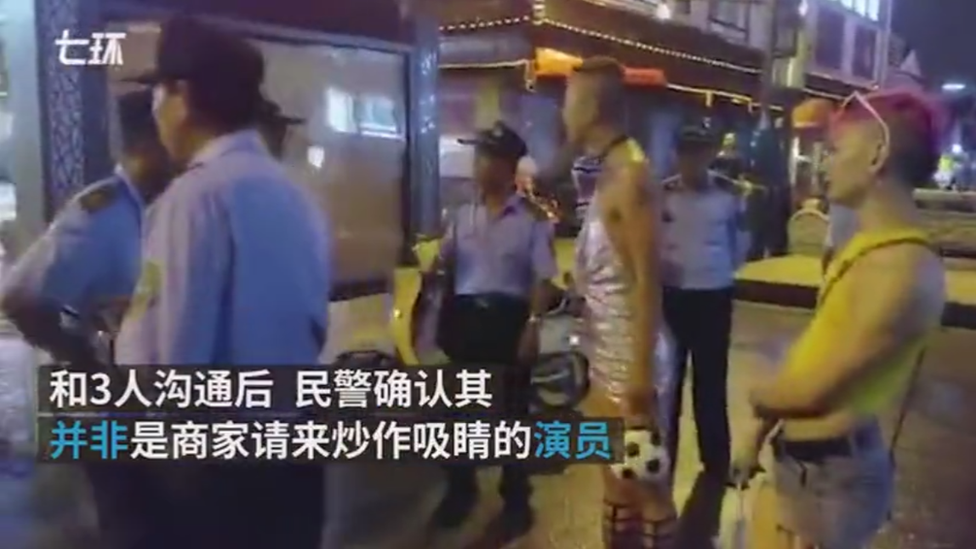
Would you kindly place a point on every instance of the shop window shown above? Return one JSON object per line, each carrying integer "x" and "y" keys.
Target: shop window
{"x": 340, "y": 111}
{"x": 873, "y": 10}
{"x": 378, "y": 117}
{"x": 731, "y": 14}
{"x": 350, "y": 150}
{"x": 351, "y": 100}
{"x": 828, "y": 50}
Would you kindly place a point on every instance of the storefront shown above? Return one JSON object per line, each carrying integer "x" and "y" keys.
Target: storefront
{"x": 505, "y": 60}
{"x": 361, "y": 77}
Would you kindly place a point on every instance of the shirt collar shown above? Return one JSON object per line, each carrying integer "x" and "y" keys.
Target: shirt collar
{"x": 710, "y": 184}
{"x": 130, "y": 186}
{"x": 240, "y": 140}
{"x": 511, "y": 205}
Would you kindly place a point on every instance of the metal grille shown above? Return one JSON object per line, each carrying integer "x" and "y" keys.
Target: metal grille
{"x": 73, "y": 103}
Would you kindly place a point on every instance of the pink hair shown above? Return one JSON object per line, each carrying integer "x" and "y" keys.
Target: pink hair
{"x": 921, "y": 115}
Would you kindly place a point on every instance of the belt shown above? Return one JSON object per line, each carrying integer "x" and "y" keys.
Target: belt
{"x": 851, "y": 444}
{"x": 491, "y": 301}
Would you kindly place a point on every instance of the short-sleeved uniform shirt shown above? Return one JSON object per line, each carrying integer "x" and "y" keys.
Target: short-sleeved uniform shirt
{"x": 89, "y": 256}
{"x": 505, "y": 254}
{"x": 236, "y": 266}
{"x": 705, "y": 238}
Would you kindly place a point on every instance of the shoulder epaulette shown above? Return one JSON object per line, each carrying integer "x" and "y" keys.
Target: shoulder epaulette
{"x": 726, "y": 184}
{"x": 98, "y": 196}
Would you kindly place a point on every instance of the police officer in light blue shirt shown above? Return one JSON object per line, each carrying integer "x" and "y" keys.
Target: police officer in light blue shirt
{"x": 704, "y": 244}
{"x": 235, "y": 271}
{"x": 88, "y": 261}
{"x": 499, "y": 252}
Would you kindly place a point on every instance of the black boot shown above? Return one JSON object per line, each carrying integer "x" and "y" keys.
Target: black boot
{"x": 461, "y": 497}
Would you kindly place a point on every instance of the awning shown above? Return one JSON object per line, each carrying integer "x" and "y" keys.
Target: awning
{"x": 554, "y": 63}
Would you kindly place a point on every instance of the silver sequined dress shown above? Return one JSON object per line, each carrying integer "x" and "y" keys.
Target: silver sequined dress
{"x": 605, "y": 331}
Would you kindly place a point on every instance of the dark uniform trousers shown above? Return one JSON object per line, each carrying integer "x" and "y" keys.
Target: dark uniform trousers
{"x": 145, "y": 505}
{"x": 485, "y": 329}
{"x": 197, "y": 506}
{"x": 701, "y": 321}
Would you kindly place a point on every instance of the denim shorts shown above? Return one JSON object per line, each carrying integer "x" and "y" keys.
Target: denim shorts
{"x": 837, "y": 501}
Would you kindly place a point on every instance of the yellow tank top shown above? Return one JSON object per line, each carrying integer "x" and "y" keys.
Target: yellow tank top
{"x": 876, "y": 393}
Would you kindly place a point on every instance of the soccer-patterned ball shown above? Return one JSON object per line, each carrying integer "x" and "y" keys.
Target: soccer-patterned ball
{"x": 645, "y": 457}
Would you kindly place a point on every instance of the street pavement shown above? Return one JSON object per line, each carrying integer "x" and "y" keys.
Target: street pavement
{"x": 46, "y": 508}
{"x": 935, "y": 456}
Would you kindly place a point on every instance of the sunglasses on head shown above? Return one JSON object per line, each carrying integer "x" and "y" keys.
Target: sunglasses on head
{"x": 859, "y": 100}
{"x": 926, "y": 117}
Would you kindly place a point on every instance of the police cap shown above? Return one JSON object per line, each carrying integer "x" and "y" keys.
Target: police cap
{"x": 209, "y": 58}
{"x": 696, "y": 137}
{"x": 500, "y": 141}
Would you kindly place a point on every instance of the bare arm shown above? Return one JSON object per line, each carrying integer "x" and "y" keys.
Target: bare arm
{"x": 544, "y": 268}
{"x": 759, "y": 432}
{"x": 446, "y": 248}
{"x": 892, "y": 308}
{"x": 633, "y": 217}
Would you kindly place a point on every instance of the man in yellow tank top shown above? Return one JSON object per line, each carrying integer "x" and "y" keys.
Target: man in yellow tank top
{"x": 832, "y": 477}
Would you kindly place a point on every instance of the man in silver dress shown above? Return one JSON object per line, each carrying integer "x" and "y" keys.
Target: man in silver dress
{"x": 617, "y": 275}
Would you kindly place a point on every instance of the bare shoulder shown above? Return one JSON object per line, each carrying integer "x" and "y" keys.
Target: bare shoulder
{"x": 907, "y": 281}
{"x": 628, "y": 177}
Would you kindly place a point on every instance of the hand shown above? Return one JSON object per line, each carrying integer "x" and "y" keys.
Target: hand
{"x": 574, "y": 305}
{"x": 744, "y": 466}
{"x": 640, "y": 406}
{"x": 757, "y": 401}
{"x": 528, "y": 349}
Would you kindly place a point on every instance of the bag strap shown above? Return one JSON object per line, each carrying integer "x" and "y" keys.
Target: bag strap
{"x": 842, "y": 264}
{"x": 906, "y": 404}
